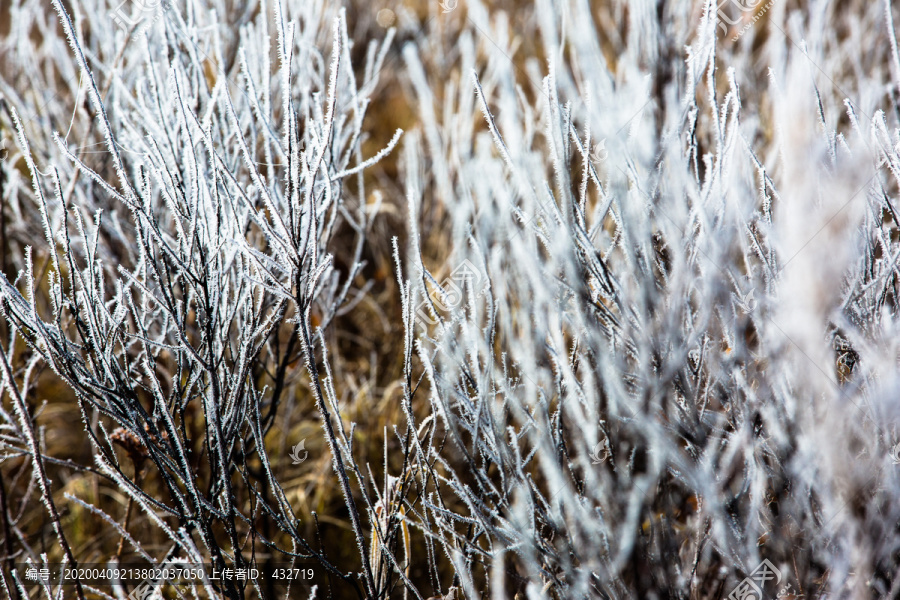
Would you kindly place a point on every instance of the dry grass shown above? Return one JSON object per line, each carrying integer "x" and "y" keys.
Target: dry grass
{"x": 721, "y": 437}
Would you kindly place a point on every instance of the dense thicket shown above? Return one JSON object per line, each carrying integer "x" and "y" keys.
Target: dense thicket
{"x": 614, "y": 316}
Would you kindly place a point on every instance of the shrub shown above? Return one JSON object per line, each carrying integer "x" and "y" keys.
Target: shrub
{"x": 647, "y": 306}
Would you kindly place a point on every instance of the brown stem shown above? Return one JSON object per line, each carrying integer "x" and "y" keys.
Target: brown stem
{"x": 43, "y": 481}
{"x": 138, "y": 478}
{"x": 7, "y": 534}
{"x": 336, "y": 453}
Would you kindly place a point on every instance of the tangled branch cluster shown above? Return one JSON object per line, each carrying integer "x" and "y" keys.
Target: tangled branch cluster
{"x": 659, "y": 348}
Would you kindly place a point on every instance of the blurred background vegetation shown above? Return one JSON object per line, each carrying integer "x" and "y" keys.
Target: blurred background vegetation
{"x": 367, "y": 342}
